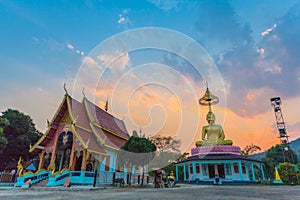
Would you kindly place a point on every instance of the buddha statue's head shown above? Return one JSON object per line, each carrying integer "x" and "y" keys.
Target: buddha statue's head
{"x": 210, "y": 117}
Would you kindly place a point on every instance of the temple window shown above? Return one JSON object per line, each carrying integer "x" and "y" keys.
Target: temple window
{"x": 228, "y": 169}
{"x": 236, "y": 168}
{"x": 191, "y": 168}
{"x": 197, "y": 168}
{"x": 204, "y": 170}
{"x": 89, "y": 167}
{"x": 244, "y": 169}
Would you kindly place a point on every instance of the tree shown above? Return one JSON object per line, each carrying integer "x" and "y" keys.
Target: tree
{"x": 3, "y": 140}
{"x": 250, "y": 149}
{"x": 137, "y": 151}
{"x": 167, "y": 152}
{"x": 166, "y": 144}
{"x": 275, "y": 155}
{"x": 287, "y": 173}
{"x": 20, "y": 133}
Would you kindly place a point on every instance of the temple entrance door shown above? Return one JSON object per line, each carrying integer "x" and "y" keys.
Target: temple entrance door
{"x": 78, "y": 163}
{"x": 221, "y": 171}
{"x": 211, "y": 171}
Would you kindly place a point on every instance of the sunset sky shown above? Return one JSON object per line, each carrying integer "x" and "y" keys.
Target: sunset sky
{"x": 136, "y": 55}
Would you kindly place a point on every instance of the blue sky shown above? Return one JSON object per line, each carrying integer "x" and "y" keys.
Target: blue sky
{"x": 254, "y": 44}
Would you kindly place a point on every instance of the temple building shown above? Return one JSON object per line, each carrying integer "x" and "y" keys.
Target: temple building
{"x": 214, "y": 160}
{"x": 81, "y": 138}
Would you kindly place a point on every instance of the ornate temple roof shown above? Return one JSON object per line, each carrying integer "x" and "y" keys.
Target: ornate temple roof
{"x": 93, "y": 127}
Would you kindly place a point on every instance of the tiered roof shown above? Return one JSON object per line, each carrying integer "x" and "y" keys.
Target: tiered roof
{"x": 93, "y": 127}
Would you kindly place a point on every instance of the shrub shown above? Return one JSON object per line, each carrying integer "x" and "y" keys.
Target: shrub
{"x": 288, "y": 173}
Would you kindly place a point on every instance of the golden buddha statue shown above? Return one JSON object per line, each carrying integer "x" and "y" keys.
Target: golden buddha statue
{"x": 212, "y": 134}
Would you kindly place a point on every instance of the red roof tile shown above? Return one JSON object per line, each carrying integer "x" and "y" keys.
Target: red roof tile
{"x": 79, "y": 114}
{"x": 106, "y": 120}
{"x": 91, "y": 141}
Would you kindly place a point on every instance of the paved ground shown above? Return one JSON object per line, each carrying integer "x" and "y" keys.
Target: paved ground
{"x": 182, "y": 192}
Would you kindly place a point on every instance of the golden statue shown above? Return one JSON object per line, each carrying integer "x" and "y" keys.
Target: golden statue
{"x": 20, "y": 166}
{"x": 212, "y": 134}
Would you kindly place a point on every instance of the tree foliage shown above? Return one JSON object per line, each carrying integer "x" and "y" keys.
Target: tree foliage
{"x": 167, "y": 152}
{"x": 3, "y": 140}
{"x": 287, "y": 173}
{"x": 166, "y": 143}
{"x": 250, "y": 149}
{"x": 137, "y": 151}
{"x": 275, "y": 155}
{"x": 20, "y": 133}
{"x": 279, "y": 155}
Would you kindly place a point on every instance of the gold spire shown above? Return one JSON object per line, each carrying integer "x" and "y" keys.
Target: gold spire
{"x": 208, "y": 99}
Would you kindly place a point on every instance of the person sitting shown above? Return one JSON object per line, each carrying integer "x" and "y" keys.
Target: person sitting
{"x": 212, "y": 134}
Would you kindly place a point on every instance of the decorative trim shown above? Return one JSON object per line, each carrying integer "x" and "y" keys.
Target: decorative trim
{"x": 102, "y": 140}
{"x": 116, "y": 134}
{"x": 49, "y": 128}
{"x": 94, "y": 123}
{"x": 81, "y": 127}
{"x": 97, "y": 152}
{"x": 70, "y": 110}
{"x": 60, "y": 172}
{"x": 78, "y": 137}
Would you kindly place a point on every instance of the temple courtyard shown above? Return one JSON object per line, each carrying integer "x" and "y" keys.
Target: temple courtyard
{"x": 183, "y": 191}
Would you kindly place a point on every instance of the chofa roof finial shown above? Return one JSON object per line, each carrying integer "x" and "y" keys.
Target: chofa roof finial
{"x": 66, "y": 89}
{"x": 83, "y": 93}
{"x": 106, "y": 104}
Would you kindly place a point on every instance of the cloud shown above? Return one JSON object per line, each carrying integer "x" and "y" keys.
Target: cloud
{"x": 261, "y": 51}
{"x": 69, "y": 46}
{"x": 121, "y": 19}
{"x": 72, "y": 48}
{"x": 271, "y": 69}
{"x": 115, "y": 61}
{"x": 220, "y": 28}
{"x": 124, "y": 18}
{"x": 266, "y": 32}
{"x": 36, "y": 39}
{"x": 166, "y": 5}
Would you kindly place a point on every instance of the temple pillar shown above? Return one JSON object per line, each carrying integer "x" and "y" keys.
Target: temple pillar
{"x": 102, "y": 164}
{"x": 83, "y": 164}
{"x": 176, "y": 172}
{"x": 253, "y": 172}
{"x": 194, "y": 171}
{"x": 241, "y": 171}
{"x": 74, "y": 162}
{"x": 61, "y": 162}
{"x": 184, "y": 173}
{"x": 262, "y": 171}
{"x": 132, "y": 176}
{"x": 53, "y": 156}
{"x": 216, "y": 170}
{"x": 112, "y": 167}
{"x": 42, "y": 157}
{"x": 71, "y": 163}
